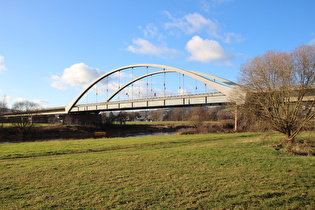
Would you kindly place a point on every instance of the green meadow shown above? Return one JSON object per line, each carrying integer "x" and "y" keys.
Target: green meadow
{"x": 208, "y": 171}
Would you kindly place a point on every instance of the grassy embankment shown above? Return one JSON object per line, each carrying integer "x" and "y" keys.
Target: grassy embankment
{"x": 195, "y": 171}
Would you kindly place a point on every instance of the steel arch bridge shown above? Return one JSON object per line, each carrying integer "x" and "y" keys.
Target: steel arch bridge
{"x": 221, "y": 90}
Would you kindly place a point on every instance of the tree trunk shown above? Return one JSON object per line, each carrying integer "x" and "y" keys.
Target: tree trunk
{"x": 290, "y": 138}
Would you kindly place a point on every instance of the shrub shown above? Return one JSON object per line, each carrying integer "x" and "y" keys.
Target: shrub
{"x": 303, "y": 147}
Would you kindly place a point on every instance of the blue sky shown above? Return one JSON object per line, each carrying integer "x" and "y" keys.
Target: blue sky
{"x": 51, "y": 49}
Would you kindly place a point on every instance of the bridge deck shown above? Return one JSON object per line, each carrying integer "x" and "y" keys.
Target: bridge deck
{"x": 149, "y": 103}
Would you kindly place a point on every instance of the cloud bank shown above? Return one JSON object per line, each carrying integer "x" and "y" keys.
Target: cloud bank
{"x": 194, "y": 25}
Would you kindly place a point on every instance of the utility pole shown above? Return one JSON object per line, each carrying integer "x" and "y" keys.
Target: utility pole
{"x": 236, "y": 118}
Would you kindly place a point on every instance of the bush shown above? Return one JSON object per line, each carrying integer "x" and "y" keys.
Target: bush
{"x": 305, "y": 147}
{"x": 226, "y": 126}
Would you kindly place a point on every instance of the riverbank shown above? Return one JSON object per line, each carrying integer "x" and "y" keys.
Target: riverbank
{"x": 61, "y": 132}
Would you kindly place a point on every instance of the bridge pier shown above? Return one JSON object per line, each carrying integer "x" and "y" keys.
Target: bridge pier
{"x": 82, "y": 119}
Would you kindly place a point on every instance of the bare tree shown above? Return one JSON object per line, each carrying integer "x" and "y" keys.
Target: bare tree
{"x": 198, "y": 115}
{"x": 133, "y": 115}
{"x": 111, "y": 118}
{"x": 178, "y": 114}
{"x": 157, "y": 115}
{"x": 122, "y": 117}
{"x": 280, "y": 88}
{"x": 24, "y": 110}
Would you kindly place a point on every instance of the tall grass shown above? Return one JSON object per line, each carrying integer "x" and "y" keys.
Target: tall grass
{"x": 187, "y": 172}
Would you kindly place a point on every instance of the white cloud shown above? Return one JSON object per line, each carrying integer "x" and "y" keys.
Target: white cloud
{"x": 312, "y": 42}
{"x": 193, "y": 23}
{"x": 10, "y": 101}
{"x": 208, "y": 4}
{"x": 151, "y": 32}
{"x": 182, "y": 92}
{"x": 5, "y": 99}
{"x": 143, "y": 46}
{"x": 41, "y": 102}
{"x": 205, "y": 50}
{"x": 58, "y": 83}
{"x": 78, "y": 74}
{"x": 2, "y": 66}
{"x": 232, "y": 37}
{"x": 205, "y": 5}
{"x": 18, "y": 99}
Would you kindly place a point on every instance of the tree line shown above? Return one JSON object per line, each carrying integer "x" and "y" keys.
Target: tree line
{"x": 174, "y": 114}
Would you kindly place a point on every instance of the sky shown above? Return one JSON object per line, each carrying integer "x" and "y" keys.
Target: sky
{"x": 51, "y": 49}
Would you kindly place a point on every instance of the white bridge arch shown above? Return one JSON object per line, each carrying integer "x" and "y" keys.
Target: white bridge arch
{"x": 224, "y": 87}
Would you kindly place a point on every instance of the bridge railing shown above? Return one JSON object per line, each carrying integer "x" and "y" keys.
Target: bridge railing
{"x": 212, "y": 93}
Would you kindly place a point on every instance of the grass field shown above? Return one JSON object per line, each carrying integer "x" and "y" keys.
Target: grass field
{"x": 213, "y": 171}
